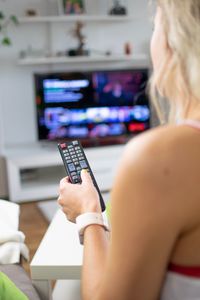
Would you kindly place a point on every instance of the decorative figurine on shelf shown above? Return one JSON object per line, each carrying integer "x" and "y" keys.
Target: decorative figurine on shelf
{"x": 73, "y": 6}
{"x": 127, "y": 48}
{"x": 78, "y": 34}
{"x": 118, "y": 9}
{"x": 30, "y": 12}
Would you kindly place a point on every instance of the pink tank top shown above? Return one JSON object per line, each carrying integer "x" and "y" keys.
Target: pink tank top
{"x": 182, "y": 282}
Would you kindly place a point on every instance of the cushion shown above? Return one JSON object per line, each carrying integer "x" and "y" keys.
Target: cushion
{"x": 17, "y": 274}
{"x": 8, "y": 290}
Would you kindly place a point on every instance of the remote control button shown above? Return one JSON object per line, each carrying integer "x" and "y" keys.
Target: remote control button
{"x": 83, "y": 164}
{"x": 69, "y": 161}
{"x": 75, "y": 143}
{"x": 79, "y": 174}
{"x": 73, "y": 174}
{"x": 63, "y": 146}
{"x": 76, "y": 163}
{"x": 71, "y": 167}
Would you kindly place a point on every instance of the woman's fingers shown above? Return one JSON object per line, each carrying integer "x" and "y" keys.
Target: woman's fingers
{"x": 64, "y": 181}
{"x": 60, "y": 202}
{"x": 85, "y": 177}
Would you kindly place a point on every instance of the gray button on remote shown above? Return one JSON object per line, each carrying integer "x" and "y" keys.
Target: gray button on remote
{"x": 83, "y": 164}
{"x": 71, "y": 167}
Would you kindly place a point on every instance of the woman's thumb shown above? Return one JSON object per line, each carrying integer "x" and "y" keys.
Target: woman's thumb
{"x": 85, "y": 176}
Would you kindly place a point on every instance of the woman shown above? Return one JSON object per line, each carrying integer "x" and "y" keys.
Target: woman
{"x": 154, "y": 248}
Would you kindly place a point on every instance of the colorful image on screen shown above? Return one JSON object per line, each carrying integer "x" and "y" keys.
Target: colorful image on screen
{"x": 92, "y": 105}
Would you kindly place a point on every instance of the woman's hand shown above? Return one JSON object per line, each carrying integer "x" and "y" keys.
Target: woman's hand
{"x": 77, "y": 199}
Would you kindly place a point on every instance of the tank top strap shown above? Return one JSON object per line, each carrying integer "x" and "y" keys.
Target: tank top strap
{"x": 191, "y": 123}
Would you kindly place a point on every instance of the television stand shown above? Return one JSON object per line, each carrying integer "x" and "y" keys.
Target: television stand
{"x": 34, "y": 170}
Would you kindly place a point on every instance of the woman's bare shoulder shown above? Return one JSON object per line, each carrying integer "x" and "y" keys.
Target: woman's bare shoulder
{"x": 166, "y": 162}
{"x": 164, "y": 144}
{"x": 153, "y": 154}
{"x": 155, "y": 175}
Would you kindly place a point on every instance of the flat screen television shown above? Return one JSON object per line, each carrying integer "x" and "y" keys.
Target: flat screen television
{"x": 96, "y": 107}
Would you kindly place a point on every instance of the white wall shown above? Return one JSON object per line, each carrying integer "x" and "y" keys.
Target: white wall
{"x": 17, "y": 114}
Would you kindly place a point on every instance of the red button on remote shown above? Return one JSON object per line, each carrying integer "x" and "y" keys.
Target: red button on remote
{"x": 63, "y": 146}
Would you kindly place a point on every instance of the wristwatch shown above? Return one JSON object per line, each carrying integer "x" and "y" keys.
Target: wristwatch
{"x": 86, "y": 219}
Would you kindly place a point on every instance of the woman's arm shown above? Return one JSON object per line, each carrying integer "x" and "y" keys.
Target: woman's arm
{"x": 76, "y": 200}
{"x": 96, "y": 245}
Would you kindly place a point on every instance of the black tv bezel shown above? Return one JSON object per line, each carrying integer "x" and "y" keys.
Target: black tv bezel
{"x": 97, "y": 141}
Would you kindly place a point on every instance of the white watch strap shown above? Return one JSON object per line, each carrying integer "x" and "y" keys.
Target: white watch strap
{"x": 87, "y": 219}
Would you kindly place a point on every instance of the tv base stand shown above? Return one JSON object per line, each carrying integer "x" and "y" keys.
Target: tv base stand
{"x": 34, "y": 171}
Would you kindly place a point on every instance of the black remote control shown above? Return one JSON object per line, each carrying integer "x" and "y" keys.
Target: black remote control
{"x": 74, "y": 160}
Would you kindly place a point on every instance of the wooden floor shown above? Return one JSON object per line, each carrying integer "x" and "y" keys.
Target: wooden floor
{"x": 33, "y": 225}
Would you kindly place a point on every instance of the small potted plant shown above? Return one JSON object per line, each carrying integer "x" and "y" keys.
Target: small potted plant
{"x": 118, "y": 8}
{"x": 4, "y": 23}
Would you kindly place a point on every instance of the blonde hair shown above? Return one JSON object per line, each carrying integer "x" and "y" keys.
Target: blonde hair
{"x": 179, "y": 73}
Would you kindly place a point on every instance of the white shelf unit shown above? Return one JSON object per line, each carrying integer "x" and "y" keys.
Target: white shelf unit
{"x": 47, "y": 169}
{"x": 135, "y": 59}
{"x": 75, "y": 18}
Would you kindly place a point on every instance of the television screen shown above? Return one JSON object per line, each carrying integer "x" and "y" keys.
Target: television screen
{"x": 96, "y": 106}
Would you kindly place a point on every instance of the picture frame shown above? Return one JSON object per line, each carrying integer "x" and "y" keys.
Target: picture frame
{"x": 71, "y": 7}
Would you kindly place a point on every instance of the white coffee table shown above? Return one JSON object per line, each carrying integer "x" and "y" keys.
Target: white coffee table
{"x": 59, "y": 257}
